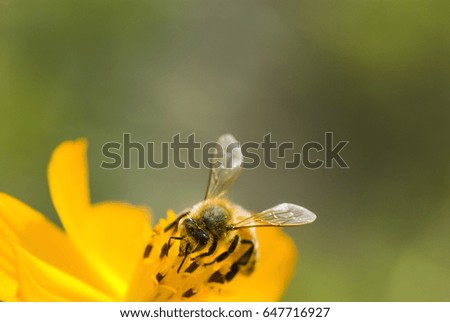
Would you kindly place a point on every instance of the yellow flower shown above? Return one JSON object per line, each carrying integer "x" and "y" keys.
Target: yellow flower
{"x": 104, "y": 253}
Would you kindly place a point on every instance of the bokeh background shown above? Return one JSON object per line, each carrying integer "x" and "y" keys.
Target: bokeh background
{"x": 375, "y": 73}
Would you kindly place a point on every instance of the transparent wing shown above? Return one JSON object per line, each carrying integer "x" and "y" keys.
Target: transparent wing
{"x": 229, "y": 158}
{"x": 285, "y": 214}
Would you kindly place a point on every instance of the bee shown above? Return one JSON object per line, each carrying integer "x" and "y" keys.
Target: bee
{"x": 217, "y": 220}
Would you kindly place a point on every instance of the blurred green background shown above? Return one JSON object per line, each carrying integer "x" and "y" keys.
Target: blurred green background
{"x": 375, "y": 73}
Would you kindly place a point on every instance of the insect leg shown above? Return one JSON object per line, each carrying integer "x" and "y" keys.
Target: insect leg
{"x": 181, "y": 215}
{"x": 173, "y": 237}
{"x": 210, "y": 251}
{"x": 242, "y": 261}
{"x": 166, "y": 246}
{"x": 232, "y": 272}
{"x": 226, "y": 253}
{"x": 186, "y": 253}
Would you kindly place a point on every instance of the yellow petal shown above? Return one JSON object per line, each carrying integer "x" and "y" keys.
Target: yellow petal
{"x": 7, "y": 257}
{"x": 114, "y": 239}
{"x": 40, "y": 281}
{"x": 68, "y": 182}
{"x": 111, "y": 235}
{"x": 8, "y": 287}
{"x": 37, "y": 235}
{"x": 272, "y": 274}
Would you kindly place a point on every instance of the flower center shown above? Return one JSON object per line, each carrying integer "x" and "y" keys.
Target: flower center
{"x": 166, "y": 274}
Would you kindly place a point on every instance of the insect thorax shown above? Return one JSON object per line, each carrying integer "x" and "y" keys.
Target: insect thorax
{"x": 214, "y": 219}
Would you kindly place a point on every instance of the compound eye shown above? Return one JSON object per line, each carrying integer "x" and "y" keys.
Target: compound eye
{"x": 190, "y": 226}
{"x": 203, "y": 237}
